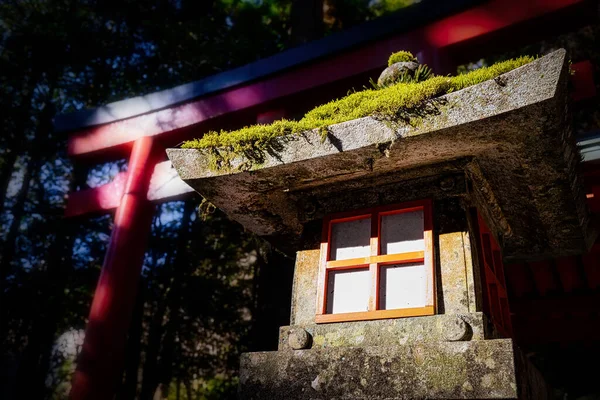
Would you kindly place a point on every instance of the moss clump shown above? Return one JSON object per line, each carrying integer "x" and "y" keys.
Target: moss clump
{"x": 401, "y": 56}
{"x": 389, "y": 102}
{"x": 205, "y": 209}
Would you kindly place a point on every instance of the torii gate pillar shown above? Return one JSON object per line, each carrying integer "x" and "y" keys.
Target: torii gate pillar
{"x": 101, "y": 360}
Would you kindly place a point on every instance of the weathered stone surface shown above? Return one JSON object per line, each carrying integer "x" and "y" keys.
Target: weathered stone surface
{"x": 304, "y": 290}
{"x": 432, "y": 370}
{"x": 395, "y": 71}
{"x": 423, "y": 182}
{"x": 473, "y": 294}
{"x": 509, "y": 136}
{"x": 456, "y": 329}
{"x": 453, "y": 268}
{"x": 299, "y": 339}
{"x": 391, "y": 332}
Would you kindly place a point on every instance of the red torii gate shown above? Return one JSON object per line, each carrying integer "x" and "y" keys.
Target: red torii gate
{"x": 142, "y": 128}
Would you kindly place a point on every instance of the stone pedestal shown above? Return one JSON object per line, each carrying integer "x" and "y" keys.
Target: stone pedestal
{"x": 479, "y": 369}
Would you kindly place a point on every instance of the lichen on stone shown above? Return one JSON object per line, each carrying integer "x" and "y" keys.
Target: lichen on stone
{"x": 389, "y": 103}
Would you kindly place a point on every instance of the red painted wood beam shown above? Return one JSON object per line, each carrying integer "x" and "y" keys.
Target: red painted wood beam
{"x": 593, "y": 199}
{"x": 565, "y": 304}
{"x": 583, "y": 81}
{"x": 490, "y": 17}
{"x": 561, "y": 319}
{"x": 102, "y": 198}
{"x": 568, "y": 271}
{"x": 100, "y": 362}
{"x": 270, "y": 116}
{"x": 518, "y": 280}
{"x": 165, "y": 185}
{"x": 543, "y": 277}
{"x": 591, "y": 266}
{"x": 537, "y": 331}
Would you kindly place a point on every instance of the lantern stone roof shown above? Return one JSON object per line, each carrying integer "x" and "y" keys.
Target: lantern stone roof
{"x": 505, "y": 146}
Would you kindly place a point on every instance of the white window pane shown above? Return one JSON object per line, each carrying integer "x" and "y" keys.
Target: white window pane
{"x": 402, "y": 232}
{"x": 348, "y": 291}
{"x": 351, "y": 239}
{"x": 402, "y": 286}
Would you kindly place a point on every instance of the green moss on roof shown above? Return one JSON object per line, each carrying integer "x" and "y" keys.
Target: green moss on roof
{"x": 401, "y": 56}
{"x": 388, "y": 101}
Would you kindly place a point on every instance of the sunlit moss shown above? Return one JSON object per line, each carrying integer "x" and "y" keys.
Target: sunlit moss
{"x": 254, "y": 141}
{"x": 401, "y": 56}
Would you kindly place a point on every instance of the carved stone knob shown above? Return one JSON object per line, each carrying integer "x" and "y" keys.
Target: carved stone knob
{"x": 456, "y": 329}
{"x": 299, "y": 339}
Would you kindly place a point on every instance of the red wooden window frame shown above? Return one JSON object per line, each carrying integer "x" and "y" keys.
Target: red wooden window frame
{"x": 374, "y": 261}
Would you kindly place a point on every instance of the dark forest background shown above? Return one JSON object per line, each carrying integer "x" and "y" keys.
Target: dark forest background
{"x": 209, "y": 290}
{"x": 202, "y": 297}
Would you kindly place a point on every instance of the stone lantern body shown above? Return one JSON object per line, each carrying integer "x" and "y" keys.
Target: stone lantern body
{"x": 489, "y": 174}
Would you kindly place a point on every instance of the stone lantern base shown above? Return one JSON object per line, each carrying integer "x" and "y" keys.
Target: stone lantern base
{"x": 481, "y": 369}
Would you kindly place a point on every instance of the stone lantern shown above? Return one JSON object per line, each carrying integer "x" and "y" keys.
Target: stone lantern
{"x": 400, "y": 233}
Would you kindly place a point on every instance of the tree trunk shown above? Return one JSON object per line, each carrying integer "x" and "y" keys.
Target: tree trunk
{"x": 51, "y": 302}
{"x": 49, "y": 299}
{"x": 188, "y": 389}
{"x": 149, "y": 377}
{"x": 8, "y": 166}
{"x": 35, "y": 152}
{"x": 15, "y": 144}
{"x": 174, "y": 299}
{"x": 134, "y": 348}
{"x": 155, "y": 334}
